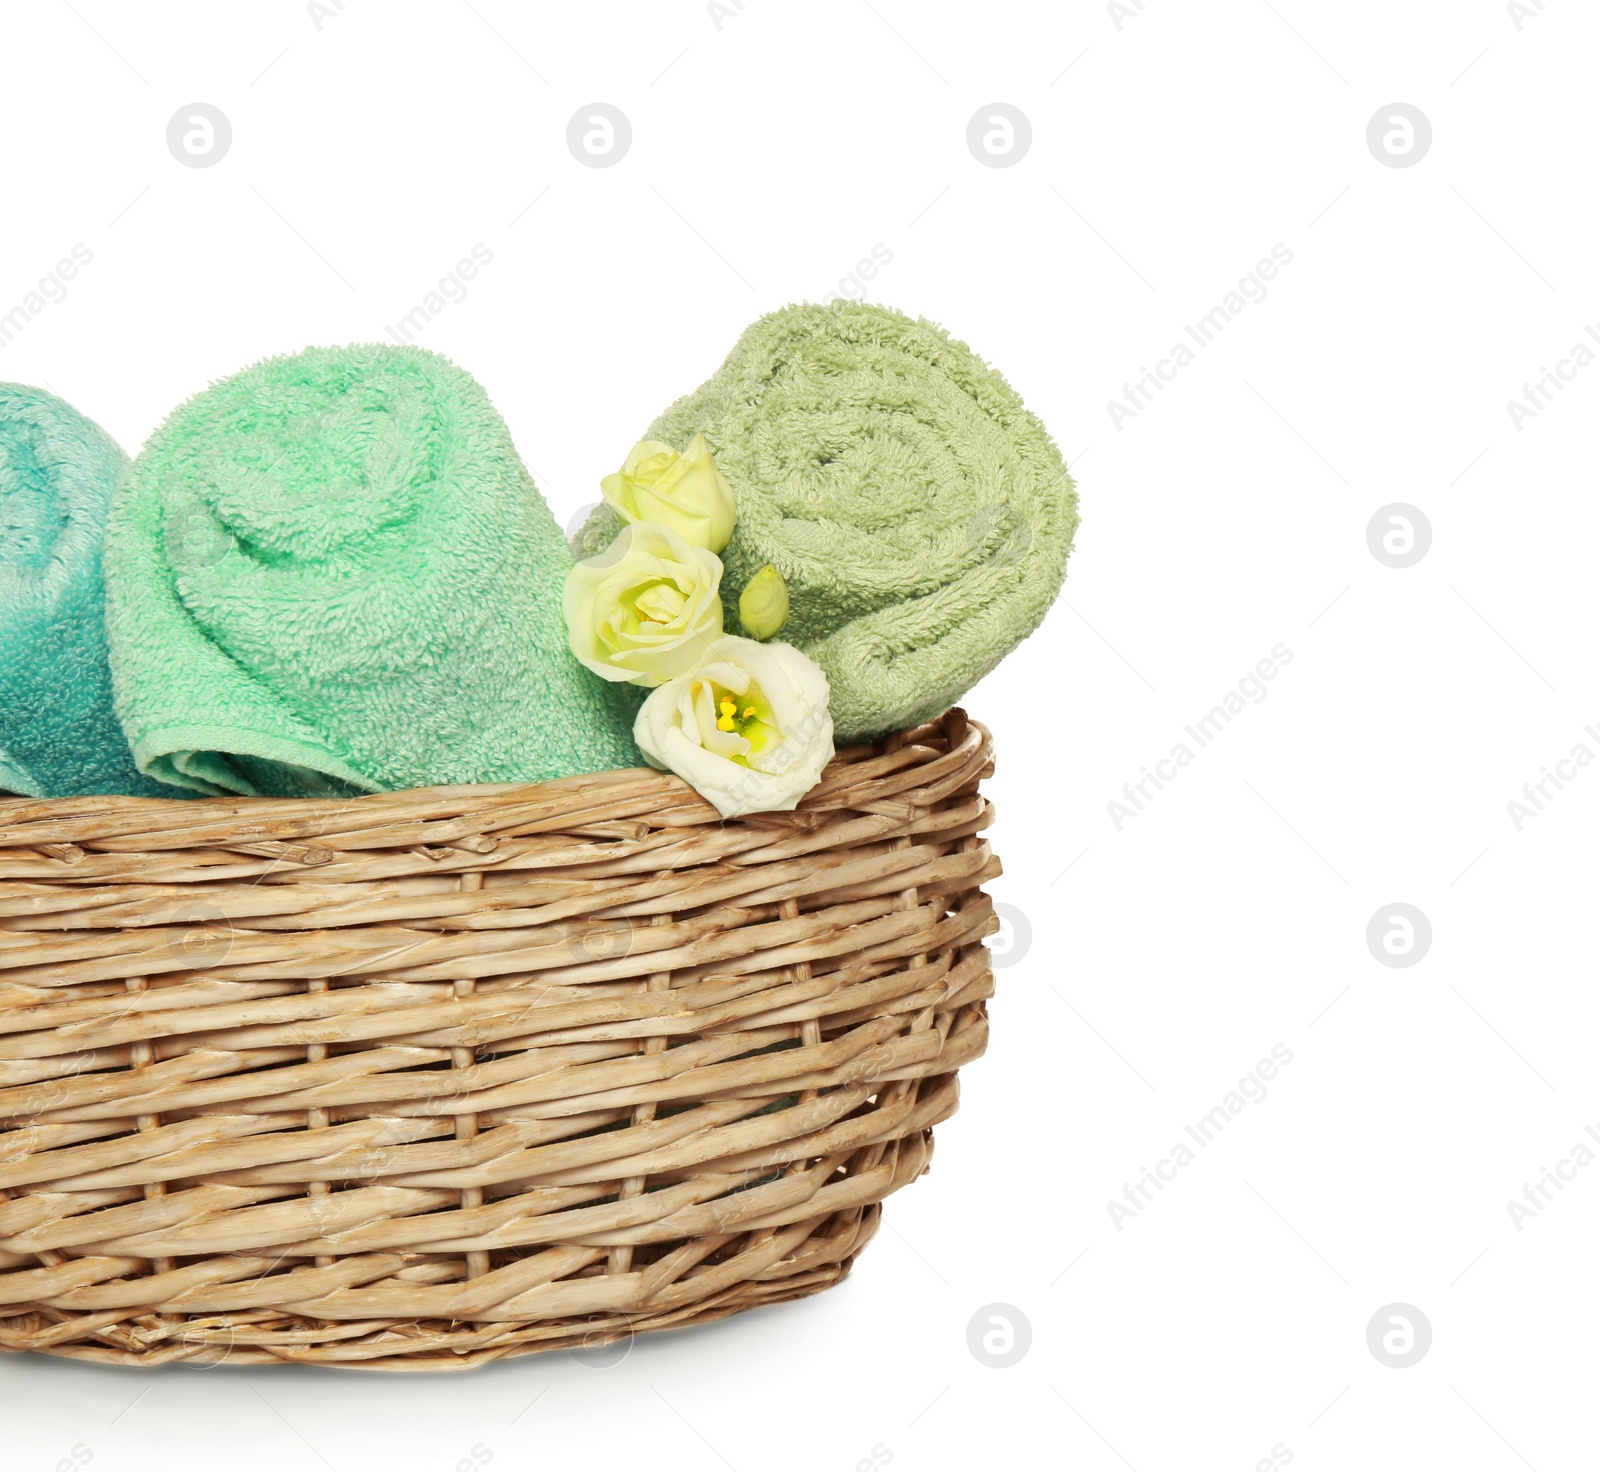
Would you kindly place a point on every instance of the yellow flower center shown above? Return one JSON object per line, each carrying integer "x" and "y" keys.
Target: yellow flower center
{"x": 752, "y": 719}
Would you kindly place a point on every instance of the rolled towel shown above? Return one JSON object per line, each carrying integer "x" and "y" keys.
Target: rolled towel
{"x": 331, "y": 574}
{"x": 59, "y": 735}
{"x": 920, "y": 515}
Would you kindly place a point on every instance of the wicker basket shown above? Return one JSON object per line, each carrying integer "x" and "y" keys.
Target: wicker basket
{"x": 427, "y": 1078}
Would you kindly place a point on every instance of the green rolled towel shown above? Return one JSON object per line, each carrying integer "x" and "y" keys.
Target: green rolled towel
{"x": 59, "y": 735}
{"x": 331, "y": 574}
{"x": 920, "y": 515}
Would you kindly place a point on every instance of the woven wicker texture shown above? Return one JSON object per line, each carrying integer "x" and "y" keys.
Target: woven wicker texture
{"x": 428, "y": 1078}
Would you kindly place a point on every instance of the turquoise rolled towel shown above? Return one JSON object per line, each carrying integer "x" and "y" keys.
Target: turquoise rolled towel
{"x": 331, "y": 574}
{"x": 59, "y": 735}
{"x": 920, "y": 515}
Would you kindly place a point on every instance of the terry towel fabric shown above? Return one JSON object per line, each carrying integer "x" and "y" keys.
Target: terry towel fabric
{"x": 59, "y": 735}
{"x": 921, "y": 516}
{"x": 330, "y": 574}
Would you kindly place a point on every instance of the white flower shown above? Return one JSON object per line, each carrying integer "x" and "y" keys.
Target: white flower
{"x": 749, "y": 729}
{"x": 647, "y": 608}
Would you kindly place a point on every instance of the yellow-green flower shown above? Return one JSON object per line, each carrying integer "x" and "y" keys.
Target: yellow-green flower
{"x": 647, "y": 608}
{"x": 685, "y": 492}
{"x": 764, "y": 604}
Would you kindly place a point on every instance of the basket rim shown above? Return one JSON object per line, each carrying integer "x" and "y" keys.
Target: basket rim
{"x": 954, "y": 724}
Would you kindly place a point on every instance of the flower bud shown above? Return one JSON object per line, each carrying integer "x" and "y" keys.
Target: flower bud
{"x": 764, "y": 604}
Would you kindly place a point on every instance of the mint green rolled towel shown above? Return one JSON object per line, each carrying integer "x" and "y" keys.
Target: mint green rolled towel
{"x": 920, "y": 515}
{"x": 331, "y": 574}
{"x": 59, "y": 735}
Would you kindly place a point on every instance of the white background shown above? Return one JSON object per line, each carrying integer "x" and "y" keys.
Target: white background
{"x": 770, "y": 153}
